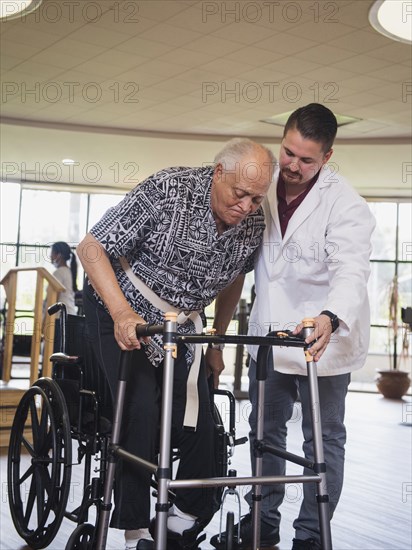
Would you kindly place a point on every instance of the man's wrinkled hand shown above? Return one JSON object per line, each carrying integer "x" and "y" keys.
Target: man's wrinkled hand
{"x": 214, "y": 364}
{"x": 125, "y": 330}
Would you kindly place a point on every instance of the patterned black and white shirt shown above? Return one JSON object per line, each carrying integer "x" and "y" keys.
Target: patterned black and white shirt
{"x": 166, "y": 230}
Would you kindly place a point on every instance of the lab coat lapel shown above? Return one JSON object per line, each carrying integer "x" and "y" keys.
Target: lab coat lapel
{"x": 272, "y": 201}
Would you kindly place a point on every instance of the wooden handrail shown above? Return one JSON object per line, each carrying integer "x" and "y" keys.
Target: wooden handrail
{"x": 9, "y": 282}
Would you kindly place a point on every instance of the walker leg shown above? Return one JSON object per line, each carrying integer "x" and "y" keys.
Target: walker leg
{"x": 322, "y": 496}
{"x": 261, "y": 375}
{"x": 104, "y": 514}
{"x": 163, "y": 473}
{"x": 257, "y": 491}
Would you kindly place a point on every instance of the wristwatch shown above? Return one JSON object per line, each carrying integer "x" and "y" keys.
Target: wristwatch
{"x": 334, "y": 320}
{"x": 219, "y": 347}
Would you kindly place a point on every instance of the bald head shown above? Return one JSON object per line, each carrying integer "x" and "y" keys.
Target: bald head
{"x": 238, "y": 149}
{"x": 242, "y": 176}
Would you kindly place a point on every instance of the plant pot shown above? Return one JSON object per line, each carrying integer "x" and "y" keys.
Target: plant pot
{"x": 393, "y": 383}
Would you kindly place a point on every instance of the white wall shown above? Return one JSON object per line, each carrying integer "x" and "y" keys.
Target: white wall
{"x": 119, "y": 160}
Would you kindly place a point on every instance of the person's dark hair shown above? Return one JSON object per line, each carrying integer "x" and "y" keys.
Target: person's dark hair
{"x": 315, "y": 122}
{"x": 64, "y": 249}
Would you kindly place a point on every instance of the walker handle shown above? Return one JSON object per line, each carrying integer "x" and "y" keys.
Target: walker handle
{"x": 148, "y": 329}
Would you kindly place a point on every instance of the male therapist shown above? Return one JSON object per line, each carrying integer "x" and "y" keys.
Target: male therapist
{"x": 314, "y": 262}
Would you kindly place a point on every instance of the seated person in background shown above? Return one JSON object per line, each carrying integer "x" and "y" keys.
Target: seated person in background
{"x": 181, "y": 238}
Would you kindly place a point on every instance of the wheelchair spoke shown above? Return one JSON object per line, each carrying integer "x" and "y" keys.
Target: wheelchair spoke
{"x": 45, "y": 431}
{"x": 27, "y": 445}
{"x": 45, "y": 481}
{"x": 29, "y": 472}
{"x": 39, "y": 497}
{"x": 30, "y": 503}
{"x": 34, "y": 423}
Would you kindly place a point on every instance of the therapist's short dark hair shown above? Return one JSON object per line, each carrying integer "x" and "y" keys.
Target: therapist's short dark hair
{"x": 315, "y": 122}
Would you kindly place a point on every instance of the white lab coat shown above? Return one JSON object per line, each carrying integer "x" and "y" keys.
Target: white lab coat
{"x": 321, "y": 263}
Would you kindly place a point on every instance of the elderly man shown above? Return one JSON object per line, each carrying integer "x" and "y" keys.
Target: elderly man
{"x": 181, "y": 238}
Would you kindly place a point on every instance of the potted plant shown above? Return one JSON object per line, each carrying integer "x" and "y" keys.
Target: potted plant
{"x": 394, "y": 383}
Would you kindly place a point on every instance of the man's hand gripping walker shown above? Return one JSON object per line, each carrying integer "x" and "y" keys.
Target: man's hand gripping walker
{"x": 170, "y": 340}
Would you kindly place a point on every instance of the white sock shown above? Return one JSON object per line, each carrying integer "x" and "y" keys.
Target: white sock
{"x": 133, "y": 536}
{"x": 178, "y": 521}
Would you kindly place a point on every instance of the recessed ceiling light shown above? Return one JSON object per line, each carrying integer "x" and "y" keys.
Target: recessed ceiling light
{"x": 281, "y": 119}
{"x": 68, "y": 162}
{"x": 393, "y": 19}
{"x": 11, "y": 9}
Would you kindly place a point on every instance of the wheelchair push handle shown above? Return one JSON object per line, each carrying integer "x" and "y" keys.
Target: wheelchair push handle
{"x": 52, "y": 310}
{"x": 58, "y": 306}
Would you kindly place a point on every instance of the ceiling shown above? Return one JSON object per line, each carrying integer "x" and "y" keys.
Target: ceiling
{"x": 200, "y": 69}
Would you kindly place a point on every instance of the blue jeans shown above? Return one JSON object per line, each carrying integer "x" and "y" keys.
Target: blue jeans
{"x": 281, "y": 392}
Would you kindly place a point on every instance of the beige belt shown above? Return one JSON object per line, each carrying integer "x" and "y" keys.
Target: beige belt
{"x": 192, "y": 395}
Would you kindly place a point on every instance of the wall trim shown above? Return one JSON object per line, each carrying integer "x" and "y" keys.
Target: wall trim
{"x": 176, "y": 135}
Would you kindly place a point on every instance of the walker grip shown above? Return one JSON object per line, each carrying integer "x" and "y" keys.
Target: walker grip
{"x": 148, "y": 329}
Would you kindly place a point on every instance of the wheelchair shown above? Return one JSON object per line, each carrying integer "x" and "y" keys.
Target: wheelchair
{"x": 71, "y": 407}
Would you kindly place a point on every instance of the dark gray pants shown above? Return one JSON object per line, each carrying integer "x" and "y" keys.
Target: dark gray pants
{"x": 140, "y": 426}
{"x": 281, "y": 392}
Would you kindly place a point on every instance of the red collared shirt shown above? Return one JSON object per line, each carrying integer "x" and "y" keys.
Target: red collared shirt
{"x": 285, "y": 210}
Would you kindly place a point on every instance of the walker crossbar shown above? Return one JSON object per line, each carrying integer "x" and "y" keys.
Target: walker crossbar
{"x": 129, "y": 457}
{"x": 234, "y": 481}
{"x": 288, "y": 340}
{"x": 261, "y": 448}
{"x": 170, "y": 340}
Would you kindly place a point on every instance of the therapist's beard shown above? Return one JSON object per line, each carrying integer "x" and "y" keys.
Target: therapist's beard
{"x": 293, "y": 176}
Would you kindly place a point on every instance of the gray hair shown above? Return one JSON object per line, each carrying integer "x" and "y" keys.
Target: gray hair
{"x": 237, "y": 148}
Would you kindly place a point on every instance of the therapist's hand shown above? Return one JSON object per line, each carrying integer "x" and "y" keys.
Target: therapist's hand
{"x": 322, "y": 333}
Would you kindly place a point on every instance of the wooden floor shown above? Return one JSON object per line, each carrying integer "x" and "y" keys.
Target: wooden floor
{"x": 375, "y": 510}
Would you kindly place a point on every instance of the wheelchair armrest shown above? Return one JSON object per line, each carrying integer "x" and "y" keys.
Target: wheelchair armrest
{"x": 63, "y": 358}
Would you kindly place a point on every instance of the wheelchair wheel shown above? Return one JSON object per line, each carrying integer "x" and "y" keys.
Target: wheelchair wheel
{"x": 82, "y": 538}
{"x": 230, "y": 531}
{"x": 39, "y": 463}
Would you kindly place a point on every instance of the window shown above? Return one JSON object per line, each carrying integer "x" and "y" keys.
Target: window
{"x": 34, "y": 218}
{"x": 391, "y": 258}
